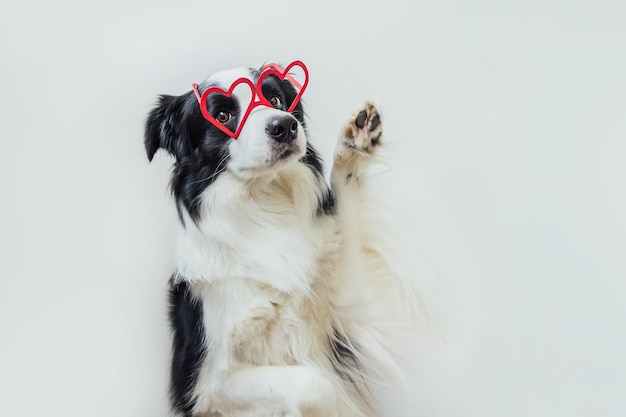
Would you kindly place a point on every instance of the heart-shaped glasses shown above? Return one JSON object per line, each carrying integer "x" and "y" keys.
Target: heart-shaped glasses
{"x": 256, "y": 94}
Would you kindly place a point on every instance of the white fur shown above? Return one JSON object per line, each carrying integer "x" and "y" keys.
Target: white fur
{"x": 254, "y": 154}
{"x": 275, "y": 278}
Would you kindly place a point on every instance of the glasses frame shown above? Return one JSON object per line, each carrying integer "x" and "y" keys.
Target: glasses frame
{"x": 256, "y": 98}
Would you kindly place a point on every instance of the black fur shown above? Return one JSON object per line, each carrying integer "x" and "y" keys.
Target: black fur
{"x": 189, "y": 345}
{"x": 314, "y": 161}
{"x": 200, "y": 149}
{"x": 344, "y": 357}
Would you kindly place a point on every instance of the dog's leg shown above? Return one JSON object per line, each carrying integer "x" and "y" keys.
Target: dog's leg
{"x": 296, "y": 391}
{"x": 368, "y": 289}
{"x": 357, "y": 148}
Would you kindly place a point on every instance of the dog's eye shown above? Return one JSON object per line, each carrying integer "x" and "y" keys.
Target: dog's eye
{"x": 223, "y": 117}
{"x": 276, "y": 102}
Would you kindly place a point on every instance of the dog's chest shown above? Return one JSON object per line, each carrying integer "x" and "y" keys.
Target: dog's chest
{"x": 282, "y": 252}
{"x": 264, "y": 326}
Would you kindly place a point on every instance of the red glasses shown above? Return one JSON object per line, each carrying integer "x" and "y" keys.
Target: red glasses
{"x": 256, "y": 94}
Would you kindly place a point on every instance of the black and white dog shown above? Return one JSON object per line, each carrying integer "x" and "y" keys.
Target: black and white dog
{"x": 286, "y": 288}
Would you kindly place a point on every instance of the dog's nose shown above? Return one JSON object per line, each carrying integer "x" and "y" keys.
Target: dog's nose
{"x": 283, "y": 129}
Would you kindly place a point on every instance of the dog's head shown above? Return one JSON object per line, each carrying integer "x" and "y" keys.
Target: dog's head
{"x": 271, "y": 138}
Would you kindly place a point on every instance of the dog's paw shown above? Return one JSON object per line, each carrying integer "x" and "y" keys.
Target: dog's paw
{"x": 363, "y": 131}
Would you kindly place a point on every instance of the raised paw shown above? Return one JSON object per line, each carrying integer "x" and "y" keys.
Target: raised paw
{"x": 364, "y": 130}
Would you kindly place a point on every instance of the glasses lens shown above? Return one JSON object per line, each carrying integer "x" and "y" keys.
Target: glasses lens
{"x": 283, "y": 89}
{"x": 227, "y": 109}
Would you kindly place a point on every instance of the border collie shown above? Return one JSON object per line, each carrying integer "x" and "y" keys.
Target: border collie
{"x": 287, "y": 292}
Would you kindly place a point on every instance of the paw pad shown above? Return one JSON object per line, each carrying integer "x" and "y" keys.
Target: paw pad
{"x": 364, "y": 130}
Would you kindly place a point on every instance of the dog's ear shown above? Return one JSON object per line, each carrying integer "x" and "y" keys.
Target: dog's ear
{"x": 167, "y": 127}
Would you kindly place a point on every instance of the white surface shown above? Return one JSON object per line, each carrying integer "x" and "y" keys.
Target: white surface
{"x": 509, "y": 125}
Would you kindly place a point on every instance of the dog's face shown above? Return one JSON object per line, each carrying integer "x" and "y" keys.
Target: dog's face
{"x": 270, "y": 136}
{"x": 270, "y": 139}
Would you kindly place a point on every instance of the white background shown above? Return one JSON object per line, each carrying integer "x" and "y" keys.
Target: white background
{"x": 508, "y": 121}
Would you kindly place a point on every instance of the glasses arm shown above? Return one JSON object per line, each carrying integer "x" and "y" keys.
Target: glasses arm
{"x": 195, "y": 90}
{"x": 273, "y": 65}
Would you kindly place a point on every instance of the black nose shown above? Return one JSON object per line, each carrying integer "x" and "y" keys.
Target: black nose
{"x": 283, "y": 129}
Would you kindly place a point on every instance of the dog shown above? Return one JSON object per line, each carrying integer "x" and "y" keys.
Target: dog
{"x": 285, "y": 292}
